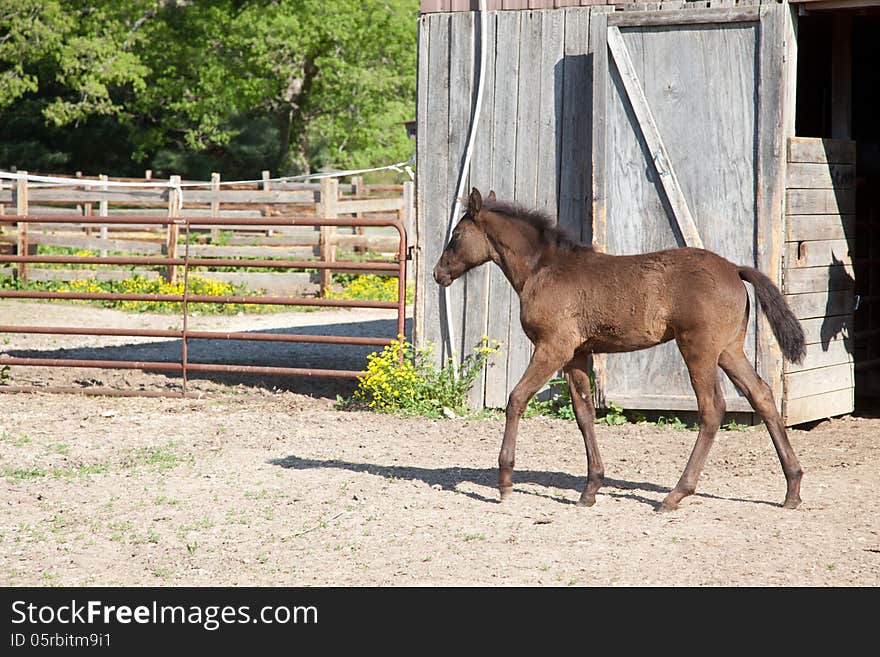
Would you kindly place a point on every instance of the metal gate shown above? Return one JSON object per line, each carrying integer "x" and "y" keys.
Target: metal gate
{"x": 184, "y": 365}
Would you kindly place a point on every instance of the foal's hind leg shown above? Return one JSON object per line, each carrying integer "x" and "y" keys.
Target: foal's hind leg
{"x": 735, "y": 364}
{"x": 710, "y": 401}
{"x": 576, "y": 373}
{"x": 544, "y": 363}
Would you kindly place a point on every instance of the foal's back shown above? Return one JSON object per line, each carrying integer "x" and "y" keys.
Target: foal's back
{"x": 622, "y": 303}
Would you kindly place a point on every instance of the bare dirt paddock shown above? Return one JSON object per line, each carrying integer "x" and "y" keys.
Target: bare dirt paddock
{"x": 254, "y": 486}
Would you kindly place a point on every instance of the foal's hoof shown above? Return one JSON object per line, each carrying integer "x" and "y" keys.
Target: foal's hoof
{"x": 586, "y": 500}
{"x": 791, "y": 503}
{"x": 666, "y": 506}
{"x": 505, "y": 492}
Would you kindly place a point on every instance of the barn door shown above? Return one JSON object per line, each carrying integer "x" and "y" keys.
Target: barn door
{"x": 685, "y": 152}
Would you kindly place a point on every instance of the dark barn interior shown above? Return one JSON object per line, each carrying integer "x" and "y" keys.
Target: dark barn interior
{"x": 838, "y": 79}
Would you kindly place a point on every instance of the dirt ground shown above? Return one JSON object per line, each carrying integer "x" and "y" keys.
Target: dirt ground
{"x": 255, "y": 483}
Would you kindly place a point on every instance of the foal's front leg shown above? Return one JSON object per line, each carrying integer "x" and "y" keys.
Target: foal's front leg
{"x": 545, "y": 362}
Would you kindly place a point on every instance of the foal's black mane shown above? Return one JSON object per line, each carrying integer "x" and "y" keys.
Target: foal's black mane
{"x": 551, "y": 233}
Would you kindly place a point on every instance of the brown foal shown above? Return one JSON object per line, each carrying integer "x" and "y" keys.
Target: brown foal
{"x": 569, "y": 299}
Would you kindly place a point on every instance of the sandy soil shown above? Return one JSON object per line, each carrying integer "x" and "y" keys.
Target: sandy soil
{"x": 255, "y": 484}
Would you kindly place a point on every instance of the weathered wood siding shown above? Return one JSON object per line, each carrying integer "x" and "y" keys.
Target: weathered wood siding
{"x": 818, "y": 278}
{"x": 532, "y": 146}
{"x": 492, "y": 5}
{"x": 557, "y": 132}
{"x": 684, "y": 68}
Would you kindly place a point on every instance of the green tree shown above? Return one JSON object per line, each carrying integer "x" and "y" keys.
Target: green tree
{"x": 335, "y": 79}
{"x": 30, "y": 30}
{"x": 291, "y": 85}
{"x": 80, "y": 54}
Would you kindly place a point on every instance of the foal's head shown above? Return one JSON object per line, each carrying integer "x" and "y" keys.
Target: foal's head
{"x": 469, "y": 246}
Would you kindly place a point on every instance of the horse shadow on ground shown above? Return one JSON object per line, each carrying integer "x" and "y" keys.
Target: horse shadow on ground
{"x": 451, "y": 478}
{"x": 247, "y": 352}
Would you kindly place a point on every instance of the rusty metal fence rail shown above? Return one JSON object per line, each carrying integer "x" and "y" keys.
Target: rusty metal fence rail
{"x": 184, "y": 366}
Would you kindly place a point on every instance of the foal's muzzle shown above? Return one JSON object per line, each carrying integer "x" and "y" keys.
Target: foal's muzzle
{"x": 441, "y": 276}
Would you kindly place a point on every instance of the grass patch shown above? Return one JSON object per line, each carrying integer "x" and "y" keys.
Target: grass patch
{"x": 19, "y": 441}
{"x": 121, "y": 531}
{"x": 162, "y": 457}
{"x": 23, "y": 474}
{"x": 80, "y": 471}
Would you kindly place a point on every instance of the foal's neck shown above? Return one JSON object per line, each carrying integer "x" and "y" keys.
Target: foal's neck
{"x": 518, "y": 248}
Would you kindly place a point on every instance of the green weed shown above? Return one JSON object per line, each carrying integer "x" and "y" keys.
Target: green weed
{"x": 558, "y": 405}
{"x": 369, "y": 287}
{"x": 403, "y": 380}
{"x": 614, "y": 415}
{"x": 22, "y": 474}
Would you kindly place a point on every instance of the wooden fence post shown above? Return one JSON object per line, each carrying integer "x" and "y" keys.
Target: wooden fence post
{"x": 86, "y": 209}
{"x": 215, "y": 207}
{"x": 21, "y": 207}
{"x": 266, "y": 187}
{"x": 407, "y": 216}
{"x": 327, "y": 238}
{"x": 103, "y": 211}
{"x": 357, "y": 183}
{"x": 80, "y": 208}
{"x": 173, "y": 229}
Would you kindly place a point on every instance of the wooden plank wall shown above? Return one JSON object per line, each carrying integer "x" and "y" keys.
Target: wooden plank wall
{"x": 818, "y": 277}
{"x": 427, "y": 6}
{"x": 471, "y": 5}
{"x": 532, "y": 146}
{"x": 683, "y": 70}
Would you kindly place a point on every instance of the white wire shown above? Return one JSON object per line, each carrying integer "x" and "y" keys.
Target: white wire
{"x": 463, "y": 173}
{"x": 38, "y": 181}
{"x": 50, "y": 181}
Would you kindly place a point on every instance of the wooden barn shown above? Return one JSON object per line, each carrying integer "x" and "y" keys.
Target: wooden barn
{"x": 745, "y": 126}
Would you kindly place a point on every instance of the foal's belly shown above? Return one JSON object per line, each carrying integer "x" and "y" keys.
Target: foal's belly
{"x": 612, "y": 343}
{"x": 613, "y": 336}
{"x": 611, "y": 346}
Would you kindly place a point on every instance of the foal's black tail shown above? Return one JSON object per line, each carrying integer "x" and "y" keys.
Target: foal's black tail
{"x": 786, "y": 327}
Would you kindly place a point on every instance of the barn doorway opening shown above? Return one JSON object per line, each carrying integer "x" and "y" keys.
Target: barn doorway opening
{"x": 838, "y": 96}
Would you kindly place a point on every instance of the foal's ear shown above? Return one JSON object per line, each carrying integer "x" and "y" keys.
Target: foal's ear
{"x": 475, "y": 202}
{"x": 491, "y": 196}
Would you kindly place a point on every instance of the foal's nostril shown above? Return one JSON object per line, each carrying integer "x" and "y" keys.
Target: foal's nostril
{"x": 441, "y": 276}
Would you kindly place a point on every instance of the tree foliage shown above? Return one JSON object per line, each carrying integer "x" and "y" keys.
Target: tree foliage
{"x": 200, "y": 85}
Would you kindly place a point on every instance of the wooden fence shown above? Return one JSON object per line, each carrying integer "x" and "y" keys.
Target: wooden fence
{"x": 326, "y": 199}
